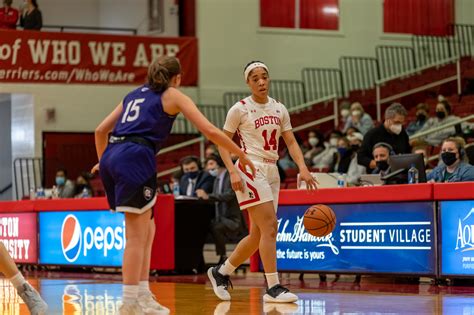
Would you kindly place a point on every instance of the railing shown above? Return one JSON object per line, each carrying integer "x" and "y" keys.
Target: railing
{"x": 394, "y": 60}
{"x": 321, "y": 82}
{"x": 441, "y": 127}
{"x": 61, "y": 28}
{"x": 359, "y": 73}
{"x": 463, "y": 40}
{"x": 6, "y": 188}
{"x": 215, "y": 113}
{"x": 27, "y": 174}
{"x": 289, "y": 92}
{"x": 380, "y": 83}
{"x": 431, "y": 49}
{"x": 230, "y": 98}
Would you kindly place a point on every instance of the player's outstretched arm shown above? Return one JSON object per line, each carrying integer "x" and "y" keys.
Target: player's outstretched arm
{"x": 176, "y": 101}
{"x": 295, "y": 152}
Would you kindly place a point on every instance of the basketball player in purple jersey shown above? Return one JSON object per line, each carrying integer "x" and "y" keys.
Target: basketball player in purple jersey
{"x": 139, "y": 126}
{"x": 259, "y": 121}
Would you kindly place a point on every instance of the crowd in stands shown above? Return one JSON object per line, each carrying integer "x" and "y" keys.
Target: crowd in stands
{"x": 29, "y": 16}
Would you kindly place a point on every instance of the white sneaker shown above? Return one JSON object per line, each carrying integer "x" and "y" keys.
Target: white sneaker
{"x": 150, "y": 305}
{"x": 130, "y": 309}
{"x": 36, "y": 305}
{"x": 220, "y": 283}
{"x": 222, "y": 308}
{"x": 279, "y": 294}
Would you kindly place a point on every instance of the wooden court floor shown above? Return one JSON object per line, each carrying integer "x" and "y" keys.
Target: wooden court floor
{"x": 68, "y": 293}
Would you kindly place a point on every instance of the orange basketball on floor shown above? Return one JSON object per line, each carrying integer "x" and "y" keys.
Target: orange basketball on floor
{"x": 319, "y": 220}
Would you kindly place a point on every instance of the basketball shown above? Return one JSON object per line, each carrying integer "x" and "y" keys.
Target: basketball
{"x": 319, "y": 220}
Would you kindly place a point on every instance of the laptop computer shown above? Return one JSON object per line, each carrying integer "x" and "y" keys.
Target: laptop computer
{"x": 325, "y": 180}
{"x": 371, "y": 180}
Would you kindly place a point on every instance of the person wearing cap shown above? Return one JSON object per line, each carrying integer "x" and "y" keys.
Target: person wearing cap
{"x": 359, "y": 119}
{"x": 259, "y": 121}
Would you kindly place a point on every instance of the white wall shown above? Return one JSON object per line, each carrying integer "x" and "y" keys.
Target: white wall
{"x": 6, "y": 145}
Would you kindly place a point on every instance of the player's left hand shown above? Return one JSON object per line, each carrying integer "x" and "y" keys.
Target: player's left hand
{"x": 306, "y": 176}
{"x": 95, "y": 169}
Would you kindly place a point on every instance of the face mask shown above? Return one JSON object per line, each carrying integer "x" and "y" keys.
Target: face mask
{"x": 355, "y": 147}
{"x": 333, "y": 142}
{"x": 313, "y": 141}
{"x": 382, "y": 165}
{"x": 421, "y": 117}
{"x": 396, "y": 129}
{"x": 440, "y": 115}
{"x": 449, "y": 158}
{"x": 60, "y": 180}
{"x": 342, "y": 151}
{"x": 356, "y": 113}
{"x": 344, "y": 113}
{"x": 192, "y": 175}
{"x": 213, "y": 172}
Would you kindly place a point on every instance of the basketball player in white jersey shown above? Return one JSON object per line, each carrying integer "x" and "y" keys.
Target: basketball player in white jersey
{"x": 259, "y": 121}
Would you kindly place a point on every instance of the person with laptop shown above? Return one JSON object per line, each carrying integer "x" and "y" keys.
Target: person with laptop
{"x": 453, "y": 168}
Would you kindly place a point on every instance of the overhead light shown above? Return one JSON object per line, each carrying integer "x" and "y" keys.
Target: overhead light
{"x": 331, "y": 10}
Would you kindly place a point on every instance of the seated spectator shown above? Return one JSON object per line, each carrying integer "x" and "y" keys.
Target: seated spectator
{"x": 355, "y": 170}
{"x": 381, "y": 153}
{"x": 423, "y": 150}
{"x": 344, "y": 111}
{"x": 31, "y": 17}
{"x": 229, "y": 221}
{"x": 210, "y": 150}
{"x": 325, "y": 158}
{"x": 314, "y": 146}
{"x": 345, "y": 160}
{"x": 443, "y": 116}
{"x": 64, "y": 185}
{"x": 8, "y": 15}
{"x": 359, "y": 119}
{"x": 194, "y": 177}
{"x": 82, "y": 189}
{"x": 422, "y": 111}
{"x": 454, "y": 168}
{"x": 390, "y": 131}
{"x": 351, "y": 130}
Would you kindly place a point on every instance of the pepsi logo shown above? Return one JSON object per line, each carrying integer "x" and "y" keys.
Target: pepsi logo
{"x": 71, "y": 238}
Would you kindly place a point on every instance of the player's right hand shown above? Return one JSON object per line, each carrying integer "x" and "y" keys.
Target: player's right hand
{"x": 236, "y": 182}
{"x": 95, "y": 169}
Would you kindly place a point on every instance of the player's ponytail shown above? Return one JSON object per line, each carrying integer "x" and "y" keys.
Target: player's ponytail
{"x": 161, "y": 71}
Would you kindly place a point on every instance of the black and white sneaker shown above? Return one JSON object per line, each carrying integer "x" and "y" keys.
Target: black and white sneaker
{"x": 220, "y": 283}
{"x": 279, "y": 294}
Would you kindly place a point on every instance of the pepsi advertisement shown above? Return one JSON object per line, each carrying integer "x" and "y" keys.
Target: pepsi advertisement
{"x": 457, "y": 237}
{"x": 397, "y": 238}
{"x": 86, "y": 238}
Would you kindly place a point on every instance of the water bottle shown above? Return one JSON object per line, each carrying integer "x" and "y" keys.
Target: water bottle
{"x": 32, "y": 193}
{"x": 176, "y": 189}
{"x": 412, "y": 175}
{"x": 85, "y": 193}
{"x": 40, "y": 193}
{"x": 341, "y": 181}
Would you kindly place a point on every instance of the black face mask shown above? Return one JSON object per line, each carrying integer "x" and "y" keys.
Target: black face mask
{"x": 440, "y": 115}
{"x": 192, "y": 175}
{"x": 382, "y": 165}
{"x": 355, "y": 147}
{"x": 449, "y": 158}
{"x": 421, "y": 117}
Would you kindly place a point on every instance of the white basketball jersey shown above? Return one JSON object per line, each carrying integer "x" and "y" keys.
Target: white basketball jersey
{"x": 258, "y": 126}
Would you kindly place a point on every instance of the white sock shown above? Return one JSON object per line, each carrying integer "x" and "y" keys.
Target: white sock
{"x": 143, "y": 288}
{"x": 17, "y": 280}
{"x": 272, "y": 279}
{"x": 130, "y": 293}
{"x": 226, "y": 268}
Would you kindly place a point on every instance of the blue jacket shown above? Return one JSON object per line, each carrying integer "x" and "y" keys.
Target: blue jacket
{"x": 463, "y": 173}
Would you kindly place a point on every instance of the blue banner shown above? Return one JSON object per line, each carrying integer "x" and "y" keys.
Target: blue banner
{"x": 87, "y": 238}
{"x": 457, "y": 237}
{"x": 368, "y": 238}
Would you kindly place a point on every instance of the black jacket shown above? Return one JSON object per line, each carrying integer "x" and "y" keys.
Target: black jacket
{"x": 227, "y": 205}
{"x": 204, "y": 181}
{"x": 32, "y": 21}
{"x": 400, "y": 144}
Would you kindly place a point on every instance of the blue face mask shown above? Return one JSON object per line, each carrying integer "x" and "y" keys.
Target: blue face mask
{"x": 342, "y": 151}
{"x": 192, "y": 175}
{"x": 60, "y": 180}
{"x": 214, "y": 172}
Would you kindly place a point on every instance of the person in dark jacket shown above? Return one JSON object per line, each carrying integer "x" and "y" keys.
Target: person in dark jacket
{"x": 194, "y": 177}
{"x": 31, "y": 17}
{"x": 228, "y": 221}
{"x": 391, "y": 132}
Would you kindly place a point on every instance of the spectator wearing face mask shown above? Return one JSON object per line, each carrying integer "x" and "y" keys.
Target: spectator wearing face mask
{"x": 443, "y": 116}
{"x": 82, "y": 188}
{"x": 194, "y": 177}
{"x": 64, "y": 185}
{"x": 325, "y": 158}
{"x": 314, "y": 146}
{"x": 344, "y": 111}
{"x": 355, "y": 170}
{"x": 381, "y": 153}
{"x": 228, "y": 221}
{"x": 359, "y": 119}
{"x": 422, "y": 111}
{"x": 391, "y": 132}
{"x": 453, "y": 168}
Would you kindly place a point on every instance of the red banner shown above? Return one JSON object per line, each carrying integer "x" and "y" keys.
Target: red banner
{"x": 46, "y": 57}
{"x": 18, "y": 232}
